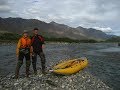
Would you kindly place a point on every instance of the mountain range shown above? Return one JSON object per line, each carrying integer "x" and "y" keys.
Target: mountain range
{"x": 52, "y": 29}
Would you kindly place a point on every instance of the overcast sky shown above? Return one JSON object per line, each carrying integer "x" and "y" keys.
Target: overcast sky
{"x": 99, "y": 14}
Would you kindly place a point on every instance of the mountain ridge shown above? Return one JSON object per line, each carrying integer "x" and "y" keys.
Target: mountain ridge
{"x": 52, "y": 29}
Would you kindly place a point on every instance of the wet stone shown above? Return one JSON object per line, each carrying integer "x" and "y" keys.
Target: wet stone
{"x": 80, "y": 81}
{"x": 0, "y": 86}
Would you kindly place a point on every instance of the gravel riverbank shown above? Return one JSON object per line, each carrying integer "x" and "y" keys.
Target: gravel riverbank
{"x": 80, "y": 81}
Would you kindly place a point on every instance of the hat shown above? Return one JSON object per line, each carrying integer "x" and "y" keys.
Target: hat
{"x": 25, "y": 31}
{"x": 35, "y": 29}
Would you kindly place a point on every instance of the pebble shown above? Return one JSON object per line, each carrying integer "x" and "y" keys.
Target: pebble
{"x": 16, "y": 84}
{"x": 63, "y": 86}
{"x": 0, "y": 86}
{"x": 80, "y": 81}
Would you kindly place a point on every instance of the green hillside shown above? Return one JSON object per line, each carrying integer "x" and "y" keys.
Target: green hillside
{"x": 13, "y": 37}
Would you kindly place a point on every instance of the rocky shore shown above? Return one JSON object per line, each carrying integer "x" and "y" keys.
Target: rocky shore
{"x": 80, "y": 81}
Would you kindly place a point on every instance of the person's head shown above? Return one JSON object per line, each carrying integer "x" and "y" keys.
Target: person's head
{"x": 35, "y": 31}
{"x": 25, "y": 33}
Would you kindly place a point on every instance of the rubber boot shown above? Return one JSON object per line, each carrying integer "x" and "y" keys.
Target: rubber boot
{"x": 34, "y": 68}
{"x": 35, "y": 72}
{"x": 27, "y": 68}
{"x": 43, "y": 67}
{"x": 34, "y": 60}
{"x": 27, "y": 72}
{"x": 19, "y": 64}
{"x": 42, "y": 56}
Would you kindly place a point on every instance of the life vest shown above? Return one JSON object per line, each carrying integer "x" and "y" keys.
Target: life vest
{"x": 40, "y": 38}
{"x": 25, "y": 42}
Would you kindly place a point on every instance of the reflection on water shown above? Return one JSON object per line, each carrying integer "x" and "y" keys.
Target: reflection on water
{"x": 111, "y": 49}
{"x": 104, "y": 59}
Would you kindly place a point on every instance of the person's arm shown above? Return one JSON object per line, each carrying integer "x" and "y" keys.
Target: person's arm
{"x": 31, "y": 50}
{"x": 18, "y": 47}
{"x": 43, "y": 42}
{"x": 31, "y": 47}
{"x": 42, "y": 39}
{"x": 43, "y": 45}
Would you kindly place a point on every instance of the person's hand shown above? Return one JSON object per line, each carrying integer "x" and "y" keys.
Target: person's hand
{"x": 43, "y": 46}
{"x": 17, "y": 55}
{"x": 31, "y": 54}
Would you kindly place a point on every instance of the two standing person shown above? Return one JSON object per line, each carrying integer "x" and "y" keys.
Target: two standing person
{"x": 27, "y": 47}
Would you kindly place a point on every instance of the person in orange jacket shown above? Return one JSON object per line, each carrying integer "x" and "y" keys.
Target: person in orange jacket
{"x": 24, "y": 50}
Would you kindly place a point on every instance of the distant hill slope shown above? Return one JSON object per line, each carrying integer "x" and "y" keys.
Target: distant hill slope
{"x": 51, "y": 29}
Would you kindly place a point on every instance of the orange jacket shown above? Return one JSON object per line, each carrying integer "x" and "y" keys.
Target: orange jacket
{"x": 23, "y": 43}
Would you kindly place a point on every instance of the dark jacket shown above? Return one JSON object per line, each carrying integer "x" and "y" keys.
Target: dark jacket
{"x": 37, "y": 42}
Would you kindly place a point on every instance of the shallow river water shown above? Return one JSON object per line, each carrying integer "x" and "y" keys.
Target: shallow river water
{"x": 104, "y": 60}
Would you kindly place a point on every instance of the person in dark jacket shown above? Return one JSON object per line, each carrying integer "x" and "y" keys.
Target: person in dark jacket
{"x": 37, "y": 44}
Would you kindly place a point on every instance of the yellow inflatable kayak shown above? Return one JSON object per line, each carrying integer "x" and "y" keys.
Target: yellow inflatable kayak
{"x": 70, "y": 66}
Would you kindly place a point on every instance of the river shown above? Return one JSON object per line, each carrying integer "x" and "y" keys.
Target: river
{"x": 104, "y": 59}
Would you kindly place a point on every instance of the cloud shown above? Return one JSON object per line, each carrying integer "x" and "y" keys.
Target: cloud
{"x": 88, "y": 13}
{"x": 107, "y": 29}
{"x": 2, "y": 2}
{"x": 4, "y": 7}
{"x": 35, "y": 1}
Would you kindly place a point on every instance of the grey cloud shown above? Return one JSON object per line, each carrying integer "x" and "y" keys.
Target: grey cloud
{"x": 2, "y": 2}
{"x": 88, "y": 13}
{"x": 4, "y": 9}
{"x": 4, "y": 6}
{"x": 104, "y": 7}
